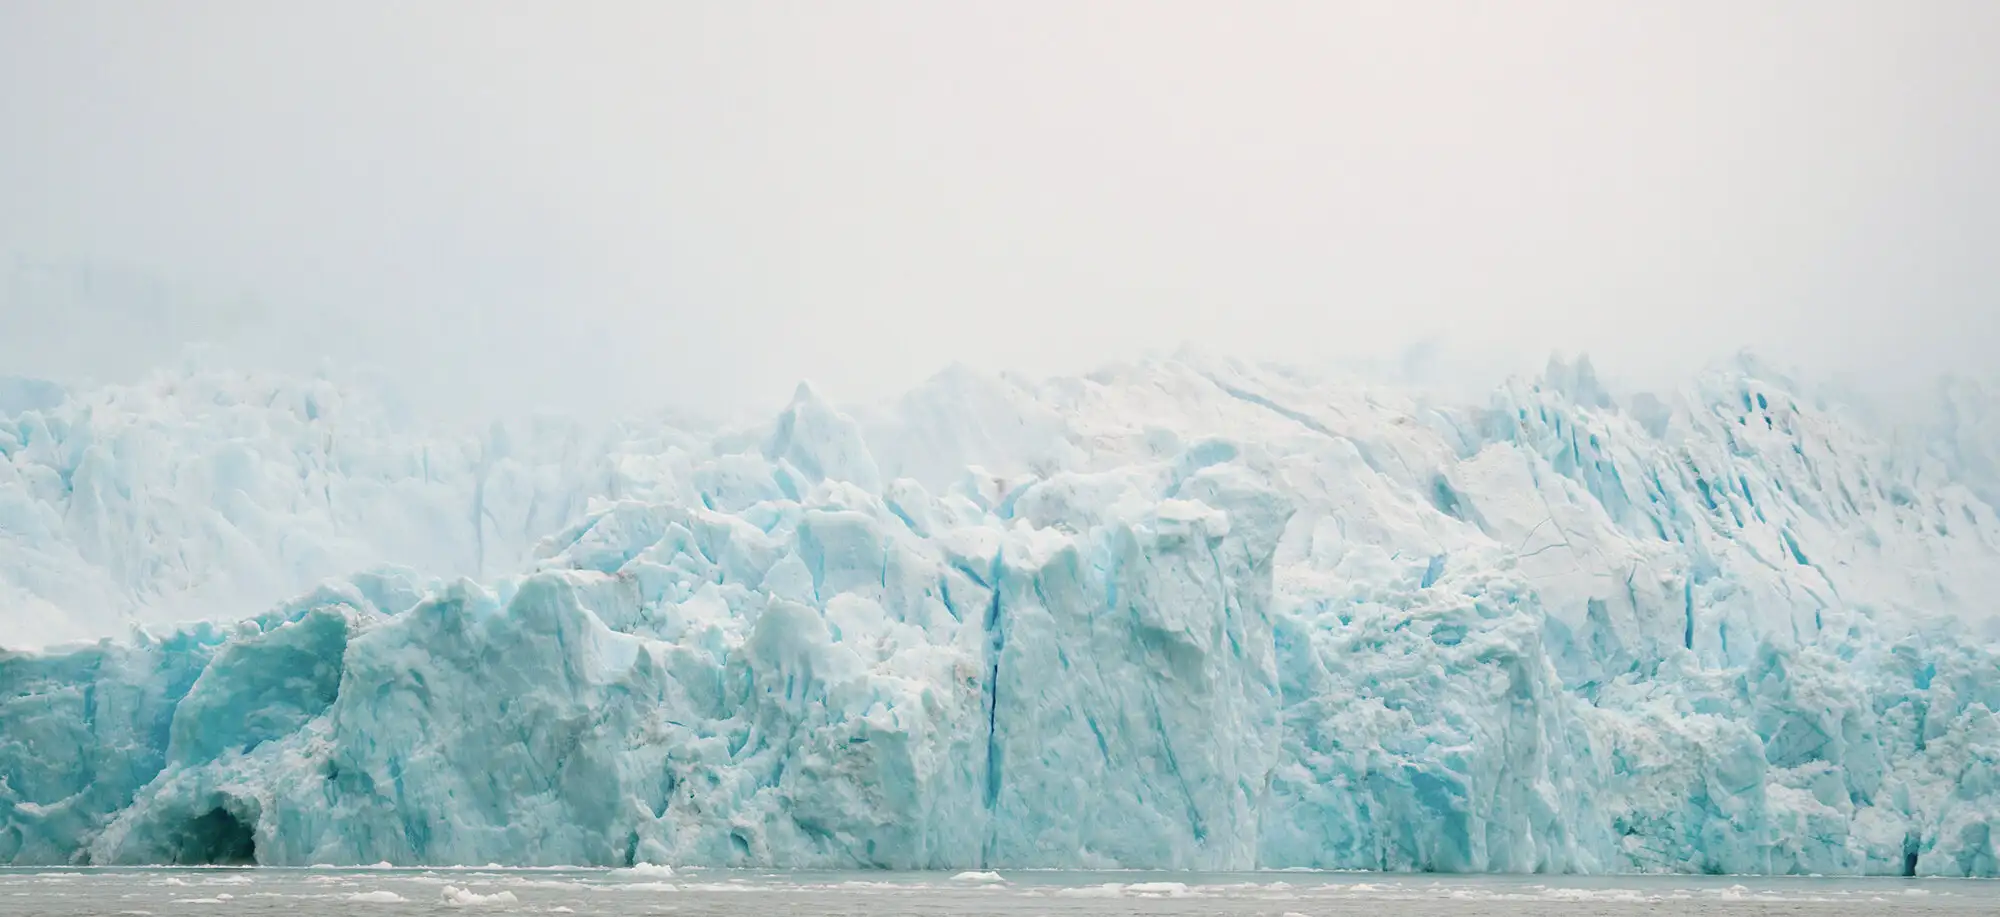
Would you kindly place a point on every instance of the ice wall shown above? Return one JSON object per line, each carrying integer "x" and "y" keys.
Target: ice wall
{"x": 1184, "y": 614}
{"x": 206, "y": 494}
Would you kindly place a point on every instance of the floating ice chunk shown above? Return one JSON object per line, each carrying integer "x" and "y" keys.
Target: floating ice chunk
{"x": 463, "y": 897}
{"x": 1106, "y": 890}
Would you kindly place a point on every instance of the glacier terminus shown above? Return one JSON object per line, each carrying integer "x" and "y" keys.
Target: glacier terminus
{"x": 1186, "y": 613}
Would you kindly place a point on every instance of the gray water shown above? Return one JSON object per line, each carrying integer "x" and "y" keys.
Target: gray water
{"x": 691, "y": 893}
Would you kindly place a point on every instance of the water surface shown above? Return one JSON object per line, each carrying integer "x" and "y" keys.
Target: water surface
{"x": 696, "y": 892}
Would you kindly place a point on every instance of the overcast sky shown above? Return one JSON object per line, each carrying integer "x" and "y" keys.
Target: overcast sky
{"x": 614, "y": 205}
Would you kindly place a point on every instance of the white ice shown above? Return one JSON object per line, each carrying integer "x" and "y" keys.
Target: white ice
{"x": 1182, "y": 614}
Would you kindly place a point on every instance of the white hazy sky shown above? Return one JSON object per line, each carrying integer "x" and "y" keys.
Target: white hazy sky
{"x": 619, "y": 204}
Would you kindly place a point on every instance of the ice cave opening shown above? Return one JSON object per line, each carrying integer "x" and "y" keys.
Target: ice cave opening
{"x": 217, "y": 838}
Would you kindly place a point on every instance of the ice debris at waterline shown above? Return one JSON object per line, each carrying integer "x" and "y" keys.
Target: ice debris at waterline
{"x": 1185, "y": 614}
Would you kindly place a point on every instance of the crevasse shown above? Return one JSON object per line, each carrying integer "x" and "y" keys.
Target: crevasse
{"x": 1183, "y": 614}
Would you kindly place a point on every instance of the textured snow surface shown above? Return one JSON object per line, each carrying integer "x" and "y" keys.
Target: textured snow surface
{"x": 1187, "y": 614}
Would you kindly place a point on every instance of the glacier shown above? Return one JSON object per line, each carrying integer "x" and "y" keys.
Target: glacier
{"x": 1188, "y": 613}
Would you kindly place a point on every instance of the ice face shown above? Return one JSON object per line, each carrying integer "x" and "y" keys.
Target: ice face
{"x": 217, "y": 495}
{"x": 1185, "y": 614}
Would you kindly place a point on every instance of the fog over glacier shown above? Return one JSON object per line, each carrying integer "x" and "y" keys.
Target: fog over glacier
{"x": 599, "y": 210}
{"x": 404, "y": 455}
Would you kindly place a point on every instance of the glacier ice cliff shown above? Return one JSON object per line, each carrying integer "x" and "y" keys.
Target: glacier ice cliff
{"x": 209, "y": 494}
{"x": 1188, "y": 613}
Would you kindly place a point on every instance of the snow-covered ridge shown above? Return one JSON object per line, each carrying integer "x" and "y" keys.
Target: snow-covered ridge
{"x": 1186, "y": 614}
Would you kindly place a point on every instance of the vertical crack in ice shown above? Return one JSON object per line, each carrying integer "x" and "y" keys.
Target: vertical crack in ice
{"x": 1196, "y": 824}
{"x": 996, "y": 643}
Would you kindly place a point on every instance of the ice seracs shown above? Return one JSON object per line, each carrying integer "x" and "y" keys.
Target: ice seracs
{"x": 208, "y": 494}
{"x": 1182, "y": 614}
